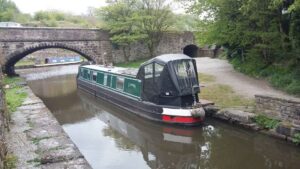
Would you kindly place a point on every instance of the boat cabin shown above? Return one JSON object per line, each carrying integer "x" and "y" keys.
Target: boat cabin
{"x": 167, "y": 80}
{"x": 170, "y": 79}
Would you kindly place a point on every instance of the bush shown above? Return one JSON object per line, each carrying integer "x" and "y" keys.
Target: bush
{"x": 266, "y": 122}
{"x": 284, "y": 77}
{"x": 296, "y": 139}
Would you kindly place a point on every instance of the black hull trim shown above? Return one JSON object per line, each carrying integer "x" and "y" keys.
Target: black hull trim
{"x": 140, "y": 108}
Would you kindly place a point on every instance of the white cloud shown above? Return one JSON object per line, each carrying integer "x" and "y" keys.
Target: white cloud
{"x": 72, "y": 6}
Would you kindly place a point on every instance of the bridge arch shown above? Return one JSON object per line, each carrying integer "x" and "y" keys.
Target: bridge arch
{"x": 13, "y": 58}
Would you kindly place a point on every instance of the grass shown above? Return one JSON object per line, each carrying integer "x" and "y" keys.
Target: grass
{"x": 26, "y": 62}
{"x": 222, "y": 95}
{"x": 10, "y": 161}
{"x": 132, "y": 64}
{"x": 35, "y": 161}
{"x": 205, "y": 78}
{"x": 14, "y": 94}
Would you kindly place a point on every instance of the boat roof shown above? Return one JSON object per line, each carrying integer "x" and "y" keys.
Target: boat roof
{"x": 167, "y": 58}
{"x": 116, "y": 70}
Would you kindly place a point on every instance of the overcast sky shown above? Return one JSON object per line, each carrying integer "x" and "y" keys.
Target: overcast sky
{"x": 72, "y": 6}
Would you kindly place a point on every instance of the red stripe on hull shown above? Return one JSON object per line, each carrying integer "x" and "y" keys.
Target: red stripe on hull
{"x": 181, "y": 119}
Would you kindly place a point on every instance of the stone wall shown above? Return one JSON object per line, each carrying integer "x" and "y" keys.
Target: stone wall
{"x": 279, "y": 108}
{"x": 209, "y": 53}
{"x": 172, "y": 42}
{"x": 3, "y": 124}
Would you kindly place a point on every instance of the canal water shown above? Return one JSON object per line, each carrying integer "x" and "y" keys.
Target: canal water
{"x": 111, "y": 138}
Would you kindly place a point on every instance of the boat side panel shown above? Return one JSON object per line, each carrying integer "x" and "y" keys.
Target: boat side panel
{"x": 151, "y": 112}
{"x": 138, "y": 107}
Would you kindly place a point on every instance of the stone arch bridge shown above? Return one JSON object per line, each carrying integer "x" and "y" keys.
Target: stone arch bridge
{"x": 93, "y": 44}
{"x": 16, "y": 43}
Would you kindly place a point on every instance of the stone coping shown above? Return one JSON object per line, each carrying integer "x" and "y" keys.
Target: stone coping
{"x": 38, "y": 140}
{"x": 290, "y": 100}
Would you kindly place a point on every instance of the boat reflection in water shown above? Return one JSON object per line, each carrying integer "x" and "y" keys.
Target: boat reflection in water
{"x": 162, "y": 146}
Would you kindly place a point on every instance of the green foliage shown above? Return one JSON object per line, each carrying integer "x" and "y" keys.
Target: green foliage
{"x": 155, "y": 20}
{"x": 296, "y": 139}
{"x": 55, "y": 18}
{"x": 10, "y": 161}
{"x": 261, "y": 38}
{"x": 121, "y": 20}
{"x": 14, "y": 95}
{"x": 8, "y": 10}
{"x": 132, "y": 64}
{"x": 132, "y": 20}
{"x": 266, "y": 122}
{"x": 280, "y": 76}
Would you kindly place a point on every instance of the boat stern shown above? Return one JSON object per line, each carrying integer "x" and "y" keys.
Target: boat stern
{"x": 188, "y": 117}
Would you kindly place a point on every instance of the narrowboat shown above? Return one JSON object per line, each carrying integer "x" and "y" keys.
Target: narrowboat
{"x": 163, "y": 89}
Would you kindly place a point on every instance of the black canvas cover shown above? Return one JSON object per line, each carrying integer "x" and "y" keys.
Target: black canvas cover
{"x": 170, "y": 80}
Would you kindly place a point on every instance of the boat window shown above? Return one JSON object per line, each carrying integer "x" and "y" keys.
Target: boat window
{"x": 88, "y": 74}
{"x": 148, "y": 71}
{"x": 105, "y": 79}
{"x": 185, "y": 72}
{"x": 81, "y": 72}
{"x": 94, "y": 76}
{"x": 158, "y": 69}
{"x": 120, "y": 83}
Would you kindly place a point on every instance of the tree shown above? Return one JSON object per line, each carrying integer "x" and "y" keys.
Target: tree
{"x": 262, "y": 38}
{"x": 156, "y": 18}
{"x": 132, "y": 20}
{"x": 121, "y": 20}
{"x": 8, "y": 10}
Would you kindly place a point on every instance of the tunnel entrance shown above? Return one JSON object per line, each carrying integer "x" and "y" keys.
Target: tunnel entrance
{"x": 191, "y": 50}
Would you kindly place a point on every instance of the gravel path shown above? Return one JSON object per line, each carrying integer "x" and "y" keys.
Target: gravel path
{"x": 242, "y": 84}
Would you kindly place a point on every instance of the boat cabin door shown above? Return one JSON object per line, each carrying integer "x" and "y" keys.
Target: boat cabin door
{"x": 151, "y": 81}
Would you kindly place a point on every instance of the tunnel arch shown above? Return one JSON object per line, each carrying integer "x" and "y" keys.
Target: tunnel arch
{"x": 191, "y": 50}
{"x": 12, "y": 59}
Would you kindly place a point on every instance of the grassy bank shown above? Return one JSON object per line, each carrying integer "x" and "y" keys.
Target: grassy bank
{"x": 284, "y": 76}
{"x": 25, "y": 63}
{"x": 222, "y": 95}
{"x": 14, "y": 92}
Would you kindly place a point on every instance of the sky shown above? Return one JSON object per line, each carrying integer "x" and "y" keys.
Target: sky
{"x": 72, "y": 6}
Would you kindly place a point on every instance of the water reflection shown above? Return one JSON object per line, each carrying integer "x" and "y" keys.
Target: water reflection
{"x": 112, "y": 138}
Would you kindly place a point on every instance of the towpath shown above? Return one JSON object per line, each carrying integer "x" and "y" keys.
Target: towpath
{"x": 241, "y": 84}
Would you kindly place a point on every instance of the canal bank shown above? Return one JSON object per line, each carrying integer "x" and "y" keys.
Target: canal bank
{"x": 36, "y": 140}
